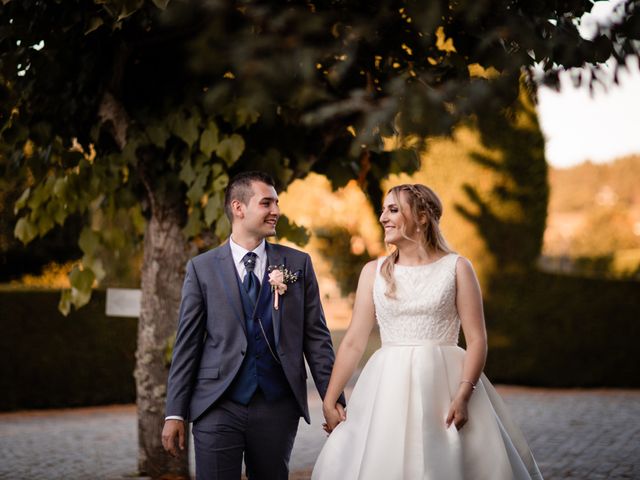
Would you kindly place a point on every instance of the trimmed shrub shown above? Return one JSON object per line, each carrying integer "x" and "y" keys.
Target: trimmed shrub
{"x": 56, "y": 361}
{"x": 560, "y": 331}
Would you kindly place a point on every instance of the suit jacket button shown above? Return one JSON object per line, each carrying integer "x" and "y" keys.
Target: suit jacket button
{"x": 242, "y": 352}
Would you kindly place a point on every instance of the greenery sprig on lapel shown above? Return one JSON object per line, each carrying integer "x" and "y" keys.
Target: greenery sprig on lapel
{"x": 279, "y": 277}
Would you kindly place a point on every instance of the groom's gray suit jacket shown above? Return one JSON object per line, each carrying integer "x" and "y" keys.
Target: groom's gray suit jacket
{"x": 212, "y": 340}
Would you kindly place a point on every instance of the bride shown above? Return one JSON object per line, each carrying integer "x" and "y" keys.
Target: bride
{"x": 422, "y": 408}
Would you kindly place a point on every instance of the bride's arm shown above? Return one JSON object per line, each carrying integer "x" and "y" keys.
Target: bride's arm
{"x": 469, "y": 305}
{"x": 353, "y": 344}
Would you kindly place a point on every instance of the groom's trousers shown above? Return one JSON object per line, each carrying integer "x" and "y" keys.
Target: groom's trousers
{"x": 263, "y": 431}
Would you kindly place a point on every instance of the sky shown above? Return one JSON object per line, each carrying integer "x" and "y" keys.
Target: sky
{"x": 599, "y": 128}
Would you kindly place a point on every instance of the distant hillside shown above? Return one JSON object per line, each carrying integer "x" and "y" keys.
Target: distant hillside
{"x": 590, "y": 185}
{"x": 594, "y": 211}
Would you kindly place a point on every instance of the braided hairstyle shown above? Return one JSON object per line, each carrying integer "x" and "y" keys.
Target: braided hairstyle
{"x": 423, "y": 202}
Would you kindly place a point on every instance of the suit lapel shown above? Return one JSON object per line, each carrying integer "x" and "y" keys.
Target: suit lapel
{"x": 274, "y": 259}
{"x": 228, "y": 274}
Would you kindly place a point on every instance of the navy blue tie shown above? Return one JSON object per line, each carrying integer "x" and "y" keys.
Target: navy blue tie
{"x": 251, "y": 283}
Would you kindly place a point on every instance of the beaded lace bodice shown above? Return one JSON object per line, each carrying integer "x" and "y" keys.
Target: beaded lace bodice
{"x": 425, "y": 303}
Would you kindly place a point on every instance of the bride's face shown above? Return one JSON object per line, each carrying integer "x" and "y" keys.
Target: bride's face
{"x": 396, "y": 219}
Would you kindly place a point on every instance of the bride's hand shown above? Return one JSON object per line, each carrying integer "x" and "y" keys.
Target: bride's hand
{"x": 333, "y": 416}
{"x": 458, "y": 414}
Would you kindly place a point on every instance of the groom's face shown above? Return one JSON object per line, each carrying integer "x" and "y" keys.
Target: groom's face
{"x": 261, "y": 213}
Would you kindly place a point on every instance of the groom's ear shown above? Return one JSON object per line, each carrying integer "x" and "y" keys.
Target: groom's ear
{"x": 237, "y": 208}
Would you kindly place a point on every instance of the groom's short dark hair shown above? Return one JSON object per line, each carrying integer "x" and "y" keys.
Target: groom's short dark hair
{"x": 239, "y": 188}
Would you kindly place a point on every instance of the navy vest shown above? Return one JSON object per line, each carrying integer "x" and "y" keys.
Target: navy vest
{"x": 259, "y": 369}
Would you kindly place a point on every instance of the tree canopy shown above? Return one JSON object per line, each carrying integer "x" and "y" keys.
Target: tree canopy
{"x": 172, "y": 96}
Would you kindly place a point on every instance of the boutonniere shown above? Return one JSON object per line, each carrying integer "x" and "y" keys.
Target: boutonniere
{"x": 279, "y": 277}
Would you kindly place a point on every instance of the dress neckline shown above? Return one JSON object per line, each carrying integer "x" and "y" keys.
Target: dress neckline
{"x": 423, "y": 264}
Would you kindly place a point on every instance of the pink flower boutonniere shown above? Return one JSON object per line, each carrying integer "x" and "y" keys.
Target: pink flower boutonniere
{"x": 279, "y": 277}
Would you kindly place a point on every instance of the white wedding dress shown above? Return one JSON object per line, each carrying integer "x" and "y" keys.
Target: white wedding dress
{"x": 395, "y": 427}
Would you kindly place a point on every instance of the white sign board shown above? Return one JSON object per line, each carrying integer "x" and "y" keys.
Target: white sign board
{"x": 123, "y": 302}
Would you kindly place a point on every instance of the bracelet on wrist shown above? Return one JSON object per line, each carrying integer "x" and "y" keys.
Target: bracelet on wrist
{"x": 473, "y": 385}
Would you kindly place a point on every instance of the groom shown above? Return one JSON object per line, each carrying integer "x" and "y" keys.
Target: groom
{"x": 238, "y": 369}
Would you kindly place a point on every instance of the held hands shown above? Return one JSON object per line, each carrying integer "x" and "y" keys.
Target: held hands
{"x": 333, "y": 416}
{"x": 173, "y": 429}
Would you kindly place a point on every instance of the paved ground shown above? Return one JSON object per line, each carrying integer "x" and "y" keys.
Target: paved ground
{"x": 574, "y": 434}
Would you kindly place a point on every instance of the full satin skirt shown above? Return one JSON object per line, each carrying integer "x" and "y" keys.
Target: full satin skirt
{"x": 395, "y": 427}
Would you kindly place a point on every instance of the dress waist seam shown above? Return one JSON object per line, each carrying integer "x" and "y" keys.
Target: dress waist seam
{"x": 419, "y": 343}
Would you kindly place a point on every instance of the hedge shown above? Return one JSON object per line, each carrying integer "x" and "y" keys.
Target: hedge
{"x": 544, "y": 330}
{"x": 561, "y": 331}
{"x": 54, "y": 361}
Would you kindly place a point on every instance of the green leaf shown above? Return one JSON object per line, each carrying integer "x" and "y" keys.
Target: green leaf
{"x": 25, "y": 231}
{"x": 45, "y": 223}
{"x": 15, "y": 134}
{"x": 161, "y": 4}
{"x": 65, "y": 302}
{"x": 22, "y": 201}
{"x": 158, "y": 134}
{"x": 81, "y": 283}
{"x": 339, "y": 174}
{"x": 187, "y": 129}
{"x": 60, "y": 215}
{"x": 220, "y": 183}
{"x": 213, "y": 209}
{"x": 216, "y": 169}
{"x": 210, "y": 139}
{"x": 89, "y": 241}
{"x": 196, "y": 191}
{"x": 128, "y": 7}
{"x": 292, "y": 231}
{"x": 38, "y": 196}
{"x": 59, "y": 187}
{"x": 404, "y": 161}
{"x": 96, "y": 266}
{"x": 137, "y": 219}
{"x": 128, "y": 154}
{"x": 114, "y": 238}
{"x": 246, "y": 116}
{"x": 194, "y": 224}
{"x": 81, "y": 280}
{"x": 230, "y": 149}
{"x": 187, "y": 173}
{"x": 93, "y": 24}
{"x": 80, "y": 298}
{"x": 223, "y": 228}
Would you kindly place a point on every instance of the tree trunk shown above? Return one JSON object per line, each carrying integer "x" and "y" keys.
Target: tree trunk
{"x": 165, "y": 254}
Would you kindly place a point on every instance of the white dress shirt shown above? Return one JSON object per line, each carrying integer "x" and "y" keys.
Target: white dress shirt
{"x": 238, "y": 252}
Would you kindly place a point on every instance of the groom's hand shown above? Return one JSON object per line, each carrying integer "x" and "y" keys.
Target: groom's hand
{"x": 171, "y": 430}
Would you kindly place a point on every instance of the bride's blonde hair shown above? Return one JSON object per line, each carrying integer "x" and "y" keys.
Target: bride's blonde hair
{"x": 423, "y": 202}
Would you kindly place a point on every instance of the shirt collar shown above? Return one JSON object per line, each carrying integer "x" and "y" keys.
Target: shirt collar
{"x": 238, "y": 252}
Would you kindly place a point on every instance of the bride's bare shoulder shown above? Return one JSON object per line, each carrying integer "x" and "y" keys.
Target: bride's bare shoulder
{"x": 464, "y": 266}
{"x": 368, "y": 272}
{"x": 371, "y": 267}
{"x": 366, "y": 280}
